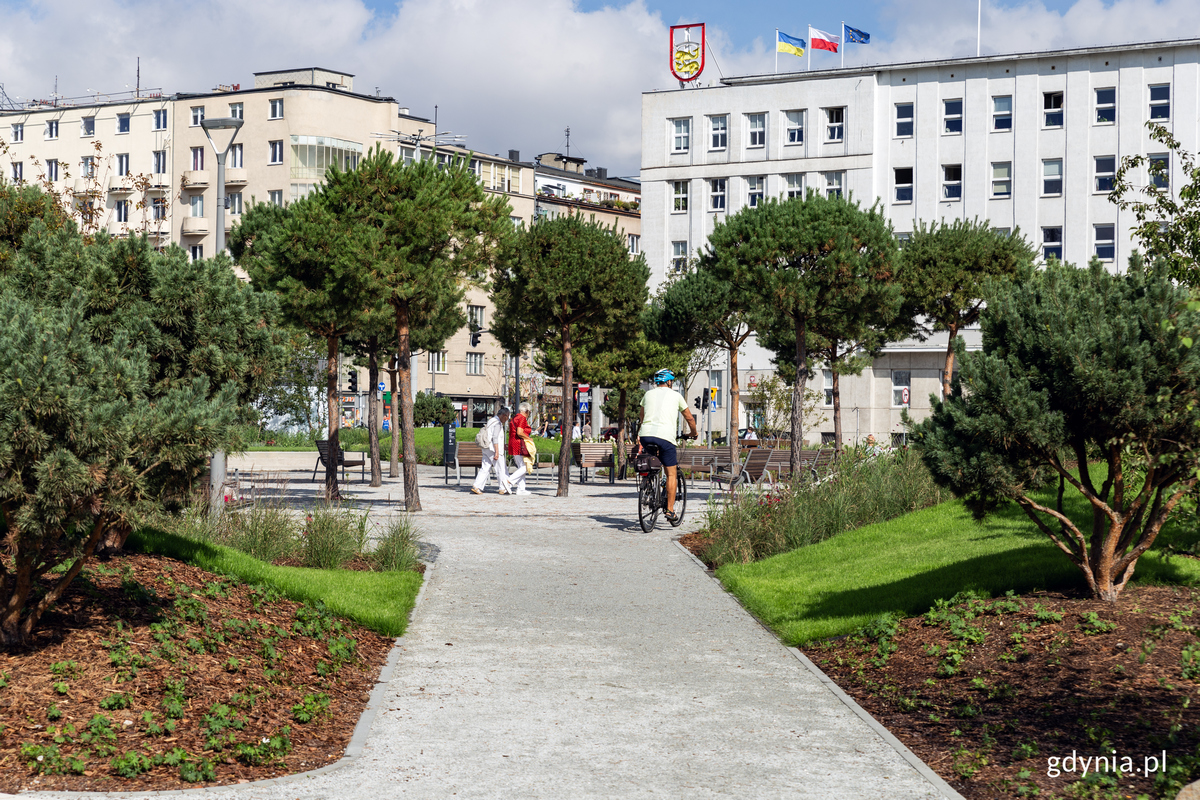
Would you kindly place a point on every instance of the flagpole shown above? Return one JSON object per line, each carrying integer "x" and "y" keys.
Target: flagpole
{"x": 777, "y": 51}
{"x": 843, "y": 48}
{"x": 979, "y": 30}
{"x": 810, "y": 48}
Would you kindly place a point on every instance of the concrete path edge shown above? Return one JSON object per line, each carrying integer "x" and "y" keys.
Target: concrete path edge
{"x": 874, "y": 724}
{"x": 353, "y": 750}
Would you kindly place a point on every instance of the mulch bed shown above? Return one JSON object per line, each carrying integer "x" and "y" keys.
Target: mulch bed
{"x": 163, "y": 671}
{"x": 997, "y": 695}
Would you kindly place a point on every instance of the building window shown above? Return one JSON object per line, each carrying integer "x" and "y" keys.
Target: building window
{"x": 122, "y": 164}
{"x": 679, "y": 256}
{"x": 235, "y": 202}
{"x": 755, "y": 188}
{"x": 795, "y": 127}
{"x": 197, "y": 115}
{"x": 1003, "y": 231}
{"x": 275, "y": 197}
{"x": 681, "y": 139}
{"x": 1160, "y": 102}
{"x": 236, "y": 160}
{"x": 1052, "y": 176}
{"x": 160, "y": 162}
{"x": 1002, "y": 113}
{"x": 122, "y": 208}
{"x": 904, "y": 184}
{"x": 828, "y": 375}
{"x": 158, "y": 208}
{"x": 833, "y": 184}
{"x": 87, "y": 126}
{"x": 237, "y": 110}
{"x": 901, "y": 387}
{"x": 122, "y": 123}
{"x": 196, "y": 202}
{"x": 719, "y": 127}
{"x": 1106, "y": 172}
{"x": 197, "y": 158}
{"x": 475, "y": 317}
{"x": 18, "y": 171}
{"x": 437, "y": 361}
{"x": 952, "y": 116}
{"x": 795, "y": 185}
{"x": 51, "y": 129}
{"x": 1052, "y": 243}
{"x": 902, "y": 239}
{"x": 635, "y": 241}
{"x": 835, "y": 128}
{"x": 1002, "y": 179}
{"x": 904, "y": 120}
{"x": 758, "y": 129}
{"x": 716, "y": 194}
{"x": 87, "y": 167}
{"x": 1052, "y": 103}
{"x": 474, "y": 363}
{"x": 1106, "y": 105}
{"x": 276, "y": 156}
{"x": 197, "y": 252}
{"x": 680, "y": 196}
{"x": 952, "y": 181}
{"x": 160, "y": 119}
{"x": 276, "y": 109}
{"x": 18, "y": 132}
{"x": 52, "y": 169}
{"x": 1160, "y": 171}
{"x": 1106, "y": 242}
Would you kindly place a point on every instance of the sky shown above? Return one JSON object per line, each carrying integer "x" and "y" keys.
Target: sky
{"x": 514, "y": 74}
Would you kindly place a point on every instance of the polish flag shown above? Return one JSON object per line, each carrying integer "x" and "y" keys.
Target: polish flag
{"x": 820, "y": 40}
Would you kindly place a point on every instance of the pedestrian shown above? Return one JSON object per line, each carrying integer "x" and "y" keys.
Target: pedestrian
{"x": 521, "y": 448}
{"x": 575, "y": 432}
{"x": 491, "y": 445}
{"x": 751, "y": 436}
{"x": 587, "y": 428}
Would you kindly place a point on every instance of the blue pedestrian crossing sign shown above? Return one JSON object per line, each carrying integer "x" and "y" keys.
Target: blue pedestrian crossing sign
{"x": 583, "y": 406}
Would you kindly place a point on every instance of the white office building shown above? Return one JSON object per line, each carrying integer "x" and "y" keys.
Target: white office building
{"x": 1028, "y": 141}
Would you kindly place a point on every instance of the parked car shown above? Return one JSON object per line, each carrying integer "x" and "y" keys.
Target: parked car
{"x": 608, "y": 433}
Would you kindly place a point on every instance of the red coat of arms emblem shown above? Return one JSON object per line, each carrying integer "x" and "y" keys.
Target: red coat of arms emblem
{"x": 687, "y": 52}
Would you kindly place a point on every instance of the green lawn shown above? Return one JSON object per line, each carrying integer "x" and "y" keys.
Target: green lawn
{"x": 905, "y": 564}
{"x": 380, "y": 601}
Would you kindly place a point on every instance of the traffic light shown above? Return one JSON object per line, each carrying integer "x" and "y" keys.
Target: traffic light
{"x": 696, "y": 402}
{"x": 354, "y": 380}
{"x": 701, "y": 402}
{"x": 474, "y": 338}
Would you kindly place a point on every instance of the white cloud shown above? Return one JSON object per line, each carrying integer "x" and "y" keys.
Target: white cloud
{"x": 509, "y": 74}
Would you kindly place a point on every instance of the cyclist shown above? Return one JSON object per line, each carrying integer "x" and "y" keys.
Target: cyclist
{"x": 660, "y": 413}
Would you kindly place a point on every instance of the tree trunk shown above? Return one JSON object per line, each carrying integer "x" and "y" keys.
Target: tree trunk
{"x": 568, "y": 416}
{"x": 948, "y": 374}
{"x": 332, "y": 493}
{"x": 734, "y": 417}
{"x": 394, "y": 468}
{"x": 373, "y": 411}
{"x": 412, "y": 496}
{"x": 798, "y": 394}
{"x": 622, "y": 408}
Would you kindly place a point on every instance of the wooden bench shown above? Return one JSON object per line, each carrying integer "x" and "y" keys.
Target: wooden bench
{"x": 747, "y": 443}
{"x": 815, "y": 463}
{"x": 467, "y": 454}
{"x": 323, "y": 461}
{"x": 592, "y": 455}
{"x": 699, "y": 460}
{"x": 752, "y": 470}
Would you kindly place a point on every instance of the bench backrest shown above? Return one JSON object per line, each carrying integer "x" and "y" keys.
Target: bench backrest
{"x": 469, "y": 454}
{"x": 323, "y": 452}
{"x": 756, "y": 463}
{"x": 591, "y": 453}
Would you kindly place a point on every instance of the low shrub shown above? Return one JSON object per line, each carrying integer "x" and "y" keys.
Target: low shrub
{"x": 861, "y": 491}
{"x": 396, "y": 550}
{"x": 332, "y": 536}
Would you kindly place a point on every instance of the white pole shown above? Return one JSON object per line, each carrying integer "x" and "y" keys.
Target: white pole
{"x": 810, "y": 48}
{"x": 843, "y": 42}
{"x": 979, "y": 29}
{"x": 777, "y": 51}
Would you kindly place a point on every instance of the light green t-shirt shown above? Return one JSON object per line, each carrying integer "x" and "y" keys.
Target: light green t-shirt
{"x": 662, "y": 407}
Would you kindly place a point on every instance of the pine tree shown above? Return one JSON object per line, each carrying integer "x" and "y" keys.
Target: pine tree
{"x": 569, "y": 277}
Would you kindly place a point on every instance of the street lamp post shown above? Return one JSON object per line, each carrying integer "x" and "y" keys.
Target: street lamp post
{"x": 216, "y": 473}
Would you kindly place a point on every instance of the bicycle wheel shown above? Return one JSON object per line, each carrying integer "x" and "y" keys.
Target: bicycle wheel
{"x": 680, "y": 499}
{"x": 648, "y": 502}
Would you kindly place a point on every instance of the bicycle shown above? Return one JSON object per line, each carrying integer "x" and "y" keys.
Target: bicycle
{"x": 652, "y": 490}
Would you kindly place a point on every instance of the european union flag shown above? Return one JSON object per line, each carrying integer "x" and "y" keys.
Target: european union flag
{"x": 856, "y": 36}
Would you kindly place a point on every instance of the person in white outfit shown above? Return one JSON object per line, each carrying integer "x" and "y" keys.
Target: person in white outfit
{"x": 494, "y": 434}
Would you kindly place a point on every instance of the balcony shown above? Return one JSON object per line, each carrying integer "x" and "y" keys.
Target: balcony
{"x": 120, "y": 184}
{"x": 85, "y": 186}
{"x": 195, "y": 226}
{"x": 235, "y": 176}
{"x": 195, "y": 177}
{"x": 160, "y": 182}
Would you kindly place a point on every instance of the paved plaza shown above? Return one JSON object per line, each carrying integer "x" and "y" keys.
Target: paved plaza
{"x": 557, "y": 651}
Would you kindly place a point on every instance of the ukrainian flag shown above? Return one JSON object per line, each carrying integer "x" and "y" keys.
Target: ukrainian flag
{"x": 788, "y": 44}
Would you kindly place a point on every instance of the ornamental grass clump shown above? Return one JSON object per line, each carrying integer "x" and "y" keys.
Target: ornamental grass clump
{"x": 396, "y": 550}
{"x": 860, "y": 491}
{"x": 332, "y": 536}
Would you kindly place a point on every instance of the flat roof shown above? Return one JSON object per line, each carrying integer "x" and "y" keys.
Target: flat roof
{"x": 870, "y": 69}
{"x": 305, "y": 69}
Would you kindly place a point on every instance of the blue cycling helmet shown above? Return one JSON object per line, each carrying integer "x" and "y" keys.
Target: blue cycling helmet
{"x": 664, "y": 376}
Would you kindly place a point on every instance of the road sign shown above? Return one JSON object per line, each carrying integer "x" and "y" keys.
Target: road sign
{"x": 381, "y": 386}
{"x": 583, "y": 406}
{"x": 904, "y": 396}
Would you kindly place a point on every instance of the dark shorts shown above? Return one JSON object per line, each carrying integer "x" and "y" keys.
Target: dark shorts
{"x": 666, "y": 450}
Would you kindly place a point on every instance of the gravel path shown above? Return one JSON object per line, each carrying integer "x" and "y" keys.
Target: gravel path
{"x": 557, "y": 651}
